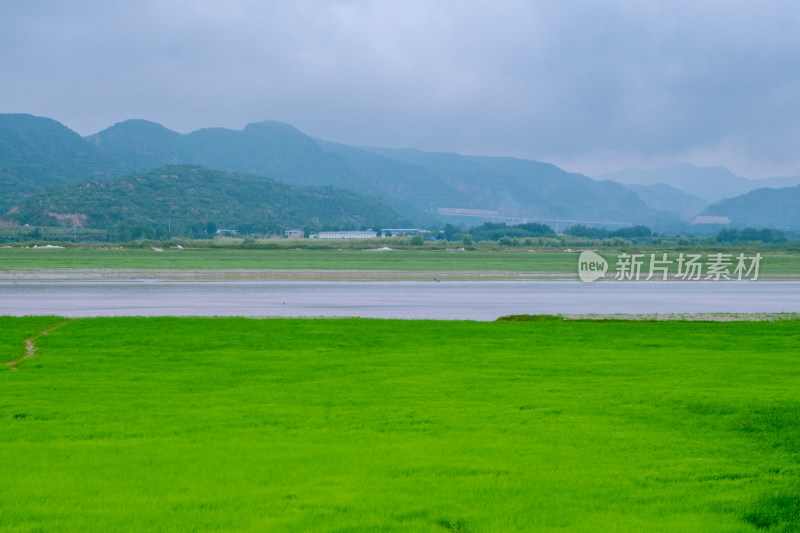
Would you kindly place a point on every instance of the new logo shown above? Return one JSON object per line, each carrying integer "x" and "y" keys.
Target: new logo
{"x": 591, "y": 266}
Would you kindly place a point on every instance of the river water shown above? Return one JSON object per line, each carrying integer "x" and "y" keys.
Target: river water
{"x": 460, "y": 300}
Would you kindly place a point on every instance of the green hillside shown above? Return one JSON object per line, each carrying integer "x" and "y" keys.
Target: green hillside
{"x": 189, "y": 200}
{"x": 143, "y": 145}
{"x": 37, "y": 152}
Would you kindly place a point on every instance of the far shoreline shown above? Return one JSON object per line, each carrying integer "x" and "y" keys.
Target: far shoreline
{"x": 330, "y": 275}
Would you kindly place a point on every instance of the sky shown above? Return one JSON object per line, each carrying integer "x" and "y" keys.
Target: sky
{"x": 592, "y": 86}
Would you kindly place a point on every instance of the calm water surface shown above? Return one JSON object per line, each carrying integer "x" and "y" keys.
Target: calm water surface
{"x": 476, "y": 300}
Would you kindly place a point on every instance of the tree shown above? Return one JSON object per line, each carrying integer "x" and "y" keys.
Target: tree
{"x": 452, "y": 233}
{"x": 632, "y": 232}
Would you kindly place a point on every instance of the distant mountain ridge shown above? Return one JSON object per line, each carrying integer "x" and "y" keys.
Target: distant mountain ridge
{"x": 666, "y": 198}
{"x": 524, "y": 189}
{"x": 712, "y": 184}
{"x": 38, "y": 153}
{"x": 416, "y": 183}
{"x": 269, "y": 148}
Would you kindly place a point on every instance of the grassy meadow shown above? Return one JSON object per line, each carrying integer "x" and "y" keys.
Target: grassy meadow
{"x": 216, "y": 260}
{"x": 479, "y": 262}
{"x": 167, "y": 424}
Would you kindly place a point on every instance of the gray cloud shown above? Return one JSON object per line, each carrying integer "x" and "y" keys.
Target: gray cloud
{"x": 589, "y": 85}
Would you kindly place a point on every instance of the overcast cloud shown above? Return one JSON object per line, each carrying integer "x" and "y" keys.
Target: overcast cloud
{"x": 590, "y": 86}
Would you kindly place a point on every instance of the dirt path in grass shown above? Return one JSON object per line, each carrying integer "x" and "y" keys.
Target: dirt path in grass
{"x": 30, "y": 344}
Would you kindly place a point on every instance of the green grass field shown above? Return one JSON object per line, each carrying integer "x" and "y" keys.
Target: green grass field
{"x": 499, "y": 263}
{"x": 284, "y": 259}
{"x": 166, "y": 424}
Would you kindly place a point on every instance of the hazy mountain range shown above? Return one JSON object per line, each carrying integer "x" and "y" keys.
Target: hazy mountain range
{"x": 392, "y": 185}
{"x": 666, "y": 198}
{"x": 711, "y": 184}
{"x": 415, "y": 183}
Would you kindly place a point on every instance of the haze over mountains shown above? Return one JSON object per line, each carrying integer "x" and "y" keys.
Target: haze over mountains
{"x": 390, "y": 185}
{"x": 666, "y": 198}
{"x": 711, "y": 184}
{"x": 685, "y": 189}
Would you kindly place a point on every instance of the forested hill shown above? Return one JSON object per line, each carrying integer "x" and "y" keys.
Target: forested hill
{"x": 38, "y": 152}
{"x": 762, "y": 208}
{"x": 190, "y": 199}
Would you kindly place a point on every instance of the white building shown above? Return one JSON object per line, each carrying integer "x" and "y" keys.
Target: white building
{"x": 394, "y": 232}
{"x": 345, "y": 235}
{"x": 708, "y": 219}
{"x": 294, "y": 234}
